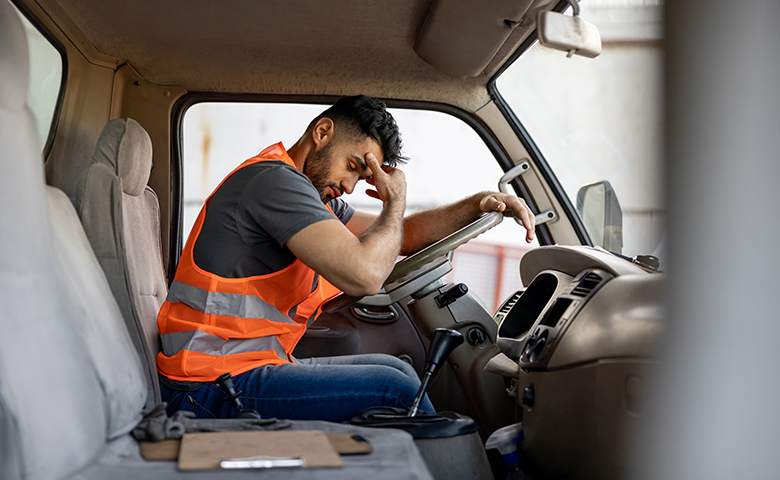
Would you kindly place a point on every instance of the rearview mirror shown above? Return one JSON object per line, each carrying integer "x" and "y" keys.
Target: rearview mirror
{"x": 599, "y": 209}
{"x": 570, "y": 34}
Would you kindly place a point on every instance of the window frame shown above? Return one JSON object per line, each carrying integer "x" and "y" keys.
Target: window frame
{"x": 182, "y": 105}
{"x": 60, "y": 48}
{"x": 525, "y": 138}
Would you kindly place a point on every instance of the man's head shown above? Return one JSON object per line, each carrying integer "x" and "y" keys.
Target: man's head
{"x": 358, "y": 117}
{"x": 343, "y": 134}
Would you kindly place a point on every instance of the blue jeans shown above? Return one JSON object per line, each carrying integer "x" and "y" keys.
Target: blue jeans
{"x": 327, "y": 388}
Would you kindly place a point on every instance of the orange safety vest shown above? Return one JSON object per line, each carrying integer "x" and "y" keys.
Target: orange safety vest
{"x": 210, "y": 324}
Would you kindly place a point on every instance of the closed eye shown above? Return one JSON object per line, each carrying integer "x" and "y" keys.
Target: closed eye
{"x": 360, "y": 165}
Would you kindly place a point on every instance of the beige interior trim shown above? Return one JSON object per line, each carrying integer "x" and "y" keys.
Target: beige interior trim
{"x": 68, "y": 27}
{"x": 561, "y": 231}
{"x": 460, "y": 38}
{"x": 272, "y": 54}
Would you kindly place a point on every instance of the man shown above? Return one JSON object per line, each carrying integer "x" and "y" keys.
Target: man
{"x": 272, "y": 244}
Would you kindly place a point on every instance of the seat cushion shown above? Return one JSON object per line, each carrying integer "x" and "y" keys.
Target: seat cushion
{"x": 395, "y": 456}
{"x": 97, "y": 318}
{"x": 99, "y": 203}
{"x": 51, "y": 398}
{"x": 143, "y": 257}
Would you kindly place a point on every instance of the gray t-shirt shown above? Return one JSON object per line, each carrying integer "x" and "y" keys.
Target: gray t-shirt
{"x": 252, "y": 215}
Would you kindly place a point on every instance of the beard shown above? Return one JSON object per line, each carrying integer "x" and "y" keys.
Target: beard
{"x": 317, "y": 168}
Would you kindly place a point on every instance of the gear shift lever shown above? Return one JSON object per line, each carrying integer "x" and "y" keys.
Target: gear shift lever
{"x": 444, "y": 342}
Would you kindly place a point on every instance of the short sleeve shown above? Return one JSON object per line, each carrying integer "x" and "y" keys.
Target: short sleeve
{"x": 342, "y": 209}
{"x": 279, "y": 202}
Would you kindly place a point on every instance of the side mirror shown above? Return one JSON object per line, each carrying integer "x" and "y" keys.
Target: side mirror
{"x": 570, "y": 34}
{"x": 599, "y": 209}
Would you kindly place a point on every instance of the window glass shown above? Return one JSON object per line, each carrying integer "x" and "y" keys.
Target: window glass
{"x": 45, "y": 79}
{"x": 448, "y": 161}
{"x": 601, "y": 119}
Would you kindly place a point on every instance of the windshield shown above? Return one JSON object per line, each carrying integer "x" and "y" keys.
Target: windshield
{"x": 601, "y": 119}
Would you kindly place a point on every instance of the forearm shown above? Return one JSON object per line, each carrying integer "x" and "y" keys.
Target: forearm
{"x": 357, "y": 265}
{"x": 358, "y": 257}
{"x": 428, "y": 226}
{"x": 380, "y": 244}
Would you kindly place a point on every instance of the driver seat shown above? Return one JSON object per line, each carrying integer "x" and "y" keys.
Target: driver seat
{"x": 121, "y": 216}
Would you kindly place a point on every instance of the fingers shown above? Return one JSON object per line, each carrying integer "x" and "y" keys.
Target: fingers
{"x": 373, "y": 194}
{"x": 512, "y": 206}
{"x": 492, "y": 204}
{"x": 376, "y": 168}
{"x": 389, "y": 182}
{"x": 526, "y": 216}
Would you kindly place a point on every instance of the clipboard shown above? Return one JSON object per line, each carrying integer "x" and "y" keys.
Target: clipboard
{"x": 204, "y": 451}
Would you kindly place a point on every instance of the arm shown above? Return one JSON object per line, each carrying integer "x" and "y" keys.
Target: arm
{"x": 428, "y": 226}
{"x": 358, "y": 264}
{"x": 423, "y": 228}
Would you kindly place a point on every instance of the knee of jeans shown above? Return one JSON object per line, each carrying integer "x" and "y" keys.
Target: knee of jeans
{"x": 409, "y": 370}
{"x": 404, "y": 367}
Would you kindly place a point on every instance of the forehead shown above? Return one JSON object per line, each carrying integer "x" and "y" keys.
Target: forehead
{"x": 359, "y": 148}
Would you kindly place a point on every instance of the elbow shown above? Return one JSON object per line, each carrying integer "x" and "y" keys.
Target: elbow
{"x": 360, "y": 291}
{"x": 367, "y": 284}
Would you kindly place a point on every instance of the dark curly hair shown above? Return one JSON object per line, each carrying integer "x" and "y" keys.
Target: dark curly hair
{"x": 361, "y": 116}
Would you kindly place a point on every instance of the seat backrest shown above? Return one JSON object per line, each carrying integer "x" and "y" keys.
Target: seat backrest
{"x": 121, "y": 216}
{"x": 98, "y": 319}
{"x": 56, "y": 410}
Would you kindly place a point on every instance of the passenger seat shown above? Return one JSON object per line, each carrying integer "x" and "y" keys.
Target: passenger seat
{"x": 71, "y": 385}
{"x": 121, "y": 217}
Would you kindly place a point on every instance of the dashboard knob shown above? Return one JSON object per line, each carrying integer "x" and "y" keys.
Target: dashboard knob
{"x": 476, "y": 336}
{"x": 529, "y": 397}
{"x": 451, "y": 294}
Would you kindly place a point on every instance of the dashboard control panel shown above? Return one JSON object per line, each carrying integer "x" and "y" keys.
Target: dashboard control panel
{"x": 549, "y": 324}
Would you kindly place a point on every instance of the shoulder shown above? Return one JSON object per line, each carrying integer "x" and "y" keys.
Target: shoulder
{"x": 341, "y": 209}
{"x": 273, "y": 171}
{"x": 272, "y": 182}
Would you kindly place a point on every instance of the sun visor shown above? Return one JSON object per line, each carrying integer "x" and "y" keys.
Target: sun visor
{"x": 461, "y": 37}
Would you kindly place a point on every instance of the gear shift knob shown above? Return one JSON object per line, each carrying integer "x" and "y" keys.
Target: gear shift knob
{"x": 444, "y": 342}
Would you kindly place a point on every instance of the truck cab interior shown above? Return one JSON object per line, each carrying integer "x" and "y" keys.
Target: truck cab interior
{"x": 588, "y": 358}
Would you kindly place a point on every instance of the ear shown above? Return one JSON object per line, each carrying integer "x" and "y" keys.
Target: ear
{"x": 322, "y": 133}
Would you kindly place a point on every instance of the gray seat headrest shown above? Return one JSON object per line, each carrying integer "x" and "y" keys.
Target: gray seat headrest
{"x": 125, "y": 146}
{"x": 14, "y": 63}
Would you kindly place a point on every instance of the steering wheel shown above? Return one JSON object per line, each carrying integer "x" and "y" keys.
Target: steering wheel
{"x": 420, "y": 269}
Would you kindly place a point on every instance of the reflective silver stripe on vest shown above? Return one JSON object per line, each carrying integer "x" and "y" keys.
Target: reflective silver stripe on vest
{"x": 228, "y": 304}
{"x": 202, "y": 342}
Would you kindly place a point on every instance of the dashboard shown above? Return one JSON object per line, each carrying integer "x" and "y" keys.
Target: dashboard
{"x": 583, "y": 337}
{"x": 555, "y": 299}
{"x": 564, "y": 294}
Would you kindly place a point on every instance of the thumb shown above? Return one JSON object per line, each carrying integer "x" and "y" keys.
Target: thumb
{"x": 492, "y": 204}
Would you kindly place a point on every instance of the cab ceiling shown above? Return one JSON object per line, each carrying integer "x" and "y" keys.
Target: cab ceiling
{"x": 295, "y": 47}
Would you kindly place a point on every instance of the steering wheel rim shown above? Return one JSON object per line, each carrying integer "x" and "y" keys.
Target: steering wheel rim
{"x": 413, "y": 266}
{"x": 452, "y": 241}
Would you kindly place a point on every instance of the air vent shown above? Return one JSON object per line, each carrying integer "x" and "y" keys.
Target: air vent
{"x": 586, "y": 285}
{"x": 510, "y": 303}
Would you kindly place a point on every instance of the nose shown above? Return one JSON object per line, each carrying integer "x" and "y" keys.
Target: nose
{"x": 348, "y": 185}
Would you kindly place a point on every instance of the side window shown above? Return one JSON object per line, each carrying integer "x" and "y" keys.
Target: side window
{"x": 46, "y": 73}
{"x": 601, "y": 119}
{"x": 448, "y": 161}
